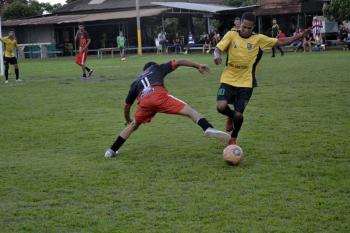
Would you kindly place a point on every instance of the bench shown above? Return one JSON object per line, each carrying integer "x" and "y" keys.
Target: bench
{"x": 128, "y": 49}
{"x": 102, "y": 50}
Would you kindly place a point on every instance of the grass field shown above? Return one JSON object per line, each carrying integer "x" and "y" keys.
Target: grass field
{"x": 168, "y": 177}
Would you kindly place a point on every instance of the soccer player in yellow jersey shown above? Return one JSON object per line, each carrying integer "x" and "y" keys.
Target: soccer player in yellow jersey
{"x": 10, "y": 43}
{"x": 244, "y": 50}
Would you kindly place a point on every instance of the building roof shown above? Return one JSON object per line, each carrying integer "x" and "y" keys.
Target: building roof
{"x": 60, "y": 19}
{"x": 200, "y": 7}
{"x": 108, "y": 5}
{"x": 278, "y": 7}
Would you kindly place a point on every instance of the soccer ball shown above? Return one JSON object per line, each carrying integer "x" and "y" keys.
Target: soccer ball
{"x": 233, "y": 154}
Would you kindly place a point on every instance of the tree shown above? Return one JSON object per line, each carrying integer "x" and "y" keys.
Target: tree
{"x": 240, "y": 2}
{"x": 50, "y": 8}
{"x": 338, "y": 10}
{"x": 22, "y": 8}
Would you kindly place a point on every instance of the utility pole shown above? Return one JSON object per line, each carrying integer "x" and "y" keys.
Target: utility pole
{"x": 1, "y": 51}
{"x": 139, "y": 41}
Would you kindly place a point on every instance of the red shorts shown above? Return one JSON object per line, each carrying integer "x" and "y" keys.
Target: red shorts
{"x": 157, "y": 101}
{"x": 81, "y": 58}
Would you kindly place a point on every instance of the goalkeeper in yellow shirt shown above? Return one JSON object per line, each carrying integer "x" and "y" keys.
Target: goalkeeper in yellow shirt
{"x": 10, "y": 43}
{"x": 244, "y": 51}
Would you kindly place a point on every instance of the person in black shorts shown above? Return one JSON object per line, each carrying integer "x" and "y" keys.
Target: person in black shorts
{"x": 10, "y": 43}
{"x": 244, "y": 49}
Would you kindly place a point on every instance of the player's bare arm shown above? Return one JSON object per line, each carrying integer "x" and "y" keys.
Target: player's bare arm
{"x": 202, "y": 68}
{"x": 289, "y": 40}
{"x": 217, "y": 56}
{"x": 128, "y": 120}
{"x": 87, "y": 45}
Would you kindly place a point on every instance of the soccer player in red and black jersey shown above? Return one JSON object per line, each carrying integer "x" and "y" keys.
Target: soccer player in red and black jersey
{"x": 153, "y": 98}
{"x": 84, "y": 41}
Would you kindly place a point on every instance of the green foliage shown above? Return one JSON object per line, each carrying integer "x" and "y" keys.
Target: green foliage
{"x": 168, "y": 177}
{"x": 50, "y": 8}
{"x": 20, "y": 10}
{"x": 23, "y": 8}
{"x": 338, "y": 10}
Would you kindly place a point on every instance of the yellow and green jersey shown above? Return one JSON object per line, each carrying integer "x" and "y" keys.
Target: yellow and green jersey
{"x": 243, "y": 57}
{"x": 9, "y": 45}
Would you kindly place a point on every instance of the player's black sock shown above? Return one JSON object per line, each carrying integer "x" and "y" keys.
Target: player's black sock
{"x": 87, "y": 69}
{"x": 204, "y": 124}
{"x": 17, "y": 73}
{"x": 237, "y": 123}
{"x": 6, "y": 72}
{"x": 227, "y": 111}
{"x": 84, "y": 75}
{"x": 117, "y": 144}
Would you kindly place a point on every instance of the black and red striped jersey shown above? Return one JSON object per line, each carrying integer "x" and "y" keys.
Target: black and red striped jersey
{"x": 151, "y": 77}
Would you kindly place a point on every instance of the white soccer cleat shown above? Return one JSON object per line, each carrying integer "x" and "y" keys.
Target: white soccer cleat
{"x": 214, "y": 133}
{"x": 90, "y": 73}
{"x": 7, "y": 81}
{"x": 110, "y": 153}
{"x": 18, "y": 80}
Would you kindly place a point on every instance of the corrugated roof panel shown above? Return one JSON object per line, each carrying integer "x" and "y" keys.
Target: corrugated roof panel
{"x": 195, "y": 6}
{"x": 82, "y": 5}
{"x": 60, "y": 19}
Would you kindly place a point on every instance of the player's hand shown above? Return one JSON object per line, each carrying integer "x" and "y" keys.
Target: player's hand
{"x": 204, "y": 69}
{"x": 218, "y": 60}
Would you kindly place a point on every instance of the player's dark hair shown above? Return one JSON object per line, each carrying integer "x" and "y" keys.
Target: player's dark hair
{"x": 248, "y": 16}
{"x": 149, "y": 64}
{"x": 237, "y": 18}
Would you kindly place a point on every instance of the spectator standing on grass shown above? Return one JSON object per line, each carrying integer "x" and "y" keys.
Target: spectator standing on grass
{"x": 162, "y": 40}
{"x": 121, "y": 45}
{"x": 274, "y": 33}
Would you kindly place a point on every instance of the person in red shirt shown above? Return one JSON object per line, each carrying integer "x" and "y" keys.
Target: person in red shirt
{"x": 152, "y": 96}
{"x": 281, "y": 34}
{"x": 84, "y": 41}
